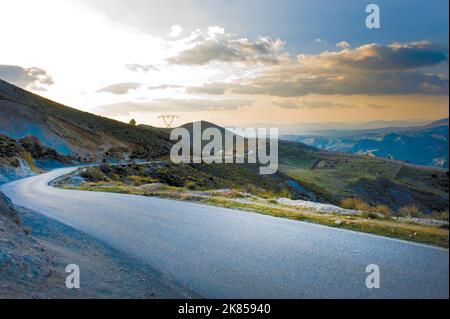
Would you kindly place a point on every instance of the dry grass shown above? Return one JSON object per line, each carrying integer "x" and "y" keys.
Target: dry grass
{"x": 30, "y": 161}
{"x": 355, "y": 203}
{"x": 410, "y": 211}
{"x": 390, "y": 228}
{"x": 382, "y": 209}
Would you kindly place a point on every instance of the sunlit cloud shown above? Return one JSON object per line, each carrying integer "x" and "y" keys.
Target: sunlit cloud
{"x": 314, "y": 104}
{"x": 376, "y": 106}
{"x": 175, "y": 105}
{"x": 165, "y": 87}
{"x": 343, "y": 45}
{"x": 120, "y": 88}
{"x": 135, "y": 67}
{"x": 215, "y": 45}
{"x": 175, "y": 31}
{"x": 368, "y": 69}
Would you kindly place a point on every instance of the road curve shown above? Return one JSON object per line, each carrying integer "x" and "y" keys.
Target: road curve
{"x": 225, "y": 253}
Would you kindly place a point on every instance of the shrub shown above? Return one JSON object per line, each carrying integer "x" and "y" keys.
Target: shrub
{"x": 27, "y": 231}
{"x": 440, "y": 216}
{"x": 105, "y": 168}
{"x": 410, "y": 211}
{"x": 372, "y": 215}
{"x": 92, "y": 174}
{"x": 17, "y": 221}
{"x": 136, "y": 180}
{"x": 115, "y": 177}
{"x": 190, "y": 185}
{"x": 355, "y": 203}
{"x": 382, "y": 209}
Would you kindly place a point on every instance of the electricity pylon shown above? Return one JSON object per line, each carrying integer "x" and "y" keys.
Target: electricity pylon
{"x": 168, "y": 119}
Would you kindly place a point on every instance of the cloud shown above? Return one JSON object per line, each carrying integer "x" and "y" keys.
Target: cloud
{"x": 217, "y": 46}
{"x": 343, "y": 45}
{"x": 120, "y": 88}
{"x": 306, "y": 104}
{"x": 165, "y": 87}
{"x": 135, "y": 67}
{"x": 172, "y": 105}
{"x": 33, "y": 78}
{"x": 320, "y": 104}
{"x": 369, "y": 69}
{"x": 379, "y": 57}
{"x": 376, "y": 106}
{"x": 175, "y": 31}
{"x": 320, "y": 41}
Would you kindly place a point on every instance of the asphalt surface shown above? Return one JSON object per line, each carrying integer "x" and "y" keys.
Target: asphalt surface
{"x": 225, "y": 253}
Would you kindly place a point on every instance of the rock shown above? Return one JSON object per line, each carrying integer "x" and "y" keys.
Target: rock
{"x": 319, "y": 207}
{"x": 338, "y": 222}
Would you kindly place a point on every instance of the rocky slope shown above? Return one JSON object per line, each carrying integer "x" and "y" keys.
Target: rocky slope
{"x": 80, "y": 135}
{"x": 27, "y": 156}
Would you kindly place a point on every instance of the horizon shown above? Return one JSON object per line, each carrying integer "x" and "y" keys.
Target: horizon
{"x": 206, "y": 64}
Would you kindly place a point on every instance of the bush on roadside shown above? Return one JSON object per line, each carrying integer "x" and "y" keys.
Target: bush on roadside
{"x": 440, "y": 216}
{"x": 93, "y": 174}
{"x": 105, "y": 168}
{"x": 373, "y": 215}
{"x": 410, "y": 211}
{"x": 355, "y": 203}
{"x": 382, "y": 209}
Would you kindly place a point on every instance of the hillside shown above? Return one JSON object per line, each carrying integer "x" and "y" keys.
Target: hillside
{"x": 20, "y": 158}
{"x": 80, "y": 135}
{"x": 377, "y": 181}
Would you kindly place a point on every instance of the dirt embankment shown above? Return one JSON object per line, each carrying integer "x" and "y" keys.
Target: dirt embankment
{"x": 35, "y": 250}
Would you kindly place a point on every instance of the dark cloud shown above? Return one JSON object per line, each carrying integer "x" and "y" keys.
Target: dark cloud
{"x": 378, "y": 57}
{"x": 173, "y": 105}
{"x": 370, "y": 69}
{"x": 29, "y": 78}
{"x": 120, "y": 88}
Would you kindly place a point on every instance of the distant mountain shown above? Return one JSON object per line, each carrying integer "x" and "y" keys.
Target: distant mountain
{"x": 312, "y": 128}
{"x": 438, "y": 123}
{"x": 424, "y": 145}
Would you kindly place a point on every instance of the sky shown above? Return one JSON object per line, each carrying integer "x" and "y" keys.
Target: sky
{"x": 235, "y": 63}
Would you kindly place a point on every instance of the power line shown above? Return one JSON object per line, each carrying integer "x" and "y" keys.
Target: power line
{"x": 168, "y": 119}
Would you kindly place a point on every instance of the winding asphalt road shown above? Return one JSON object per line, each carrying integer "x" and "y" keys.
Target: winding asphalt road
{"x": 225, "y": 253}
